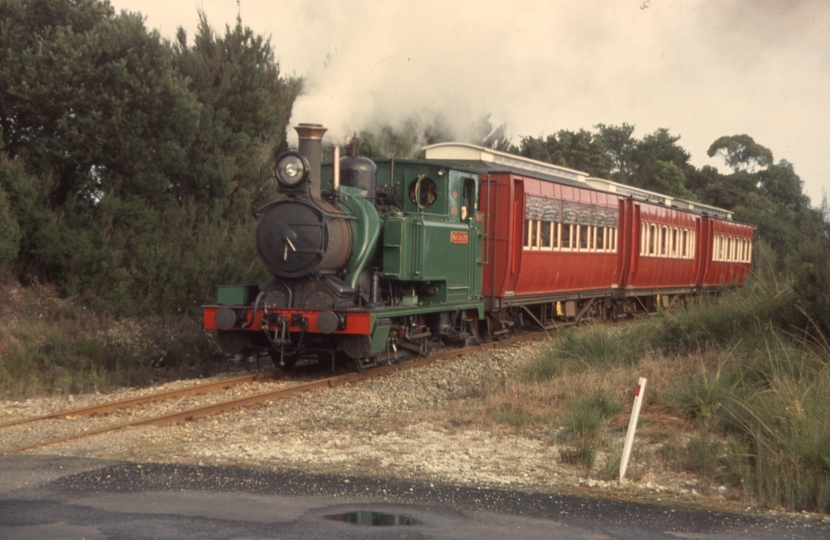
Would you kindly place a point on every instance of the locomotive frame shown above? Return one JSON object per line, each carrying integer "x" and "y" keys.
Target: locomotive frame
{"x": 461, "y": 246}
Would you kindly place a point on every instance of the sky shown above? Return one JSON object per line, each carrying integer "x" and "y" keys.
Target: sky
{"x": 700, "y": 68}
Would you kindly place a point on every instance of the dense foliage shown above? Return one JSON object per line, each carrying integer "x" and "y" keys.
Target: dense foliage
{"x": 130, "y": 165}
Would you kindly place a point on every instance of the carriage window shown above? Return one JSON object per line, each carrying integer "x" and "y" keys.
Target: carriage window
{"x": 601, "y": 243}
{"x": 692, "y": 242}
{"x": 584, "y": 237}
{"x": 530, "y": 233}
{"x": 674, "y": 242}
{"x": 652, "y": 240}
{"x": 664, "y": 238}
{"x": 423, "y": 192}
{"x": 557, "y": 231}
{"x": 545, "y": 234}
{"x": 536, "y": 229}
{"x": 684, "y": 244}
{"x": 567, "y": 233}
{"x": 538, "y": 238}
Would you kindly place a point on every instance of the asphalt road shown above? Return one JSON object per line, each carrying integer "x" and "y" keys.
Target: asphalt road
{"x": 50, "y": 497}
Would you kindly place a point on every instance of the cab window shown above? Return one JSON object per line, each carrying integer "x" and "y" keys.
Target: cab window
{"x": 423, "y": 192}
{"x": 469, "y": 204}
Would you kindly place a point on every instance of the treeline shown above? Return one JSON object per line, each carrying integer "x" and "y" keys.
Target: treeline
{"x": 130, "y": 165}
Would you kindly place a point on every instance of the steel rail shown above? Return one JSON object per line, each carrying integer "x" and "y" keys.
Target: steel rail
{"x": 274, "y": 395}
{"x": 111, "y": 406}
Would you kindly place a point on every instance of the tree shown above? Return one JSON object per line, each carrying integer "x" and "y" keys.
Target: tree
{"x": 246, "y": 107}
{"x": 781, "y": 184}
{"x": 725, "y": 191}
{"x": 9, "y": 227}
{"x": 537, "y": 148}
{"x": 619, "y": 144}
{"x": 665, "y": 177}
{"x": 658, "y": 163}
{"x": 132, "y": 167}
{"x": 741, "y": 152}
{"x": 92, "y": 101}
{"x": 584, "y": 151}
{"x": 580, "y": 150}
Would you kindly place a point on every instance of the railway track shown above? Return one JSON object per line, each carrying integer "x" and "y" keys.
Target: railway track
{"x": 112, "y": 406}
{"x": 195, "y": 413}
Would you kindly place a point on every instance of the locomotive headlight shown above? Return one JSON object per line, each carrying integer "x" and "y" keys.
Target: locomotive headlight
{"x": 291, "y": 169}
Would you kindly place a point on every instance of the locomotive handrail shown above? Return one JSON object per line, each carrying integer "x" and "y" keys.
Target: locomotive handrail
{"x": 486, "y": 227}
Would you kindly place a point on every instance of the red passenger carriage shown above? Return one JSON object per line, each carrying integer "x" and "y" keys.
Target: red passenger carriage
{"x": 559, "y": 244}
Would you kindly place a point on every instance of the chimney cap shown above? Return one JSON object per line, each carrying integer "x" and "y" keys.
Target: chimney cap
{"x": 310, "y": 131}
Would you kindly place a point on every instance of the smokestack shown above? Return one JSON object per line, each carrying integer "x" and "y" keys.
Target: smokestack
{"x": 311, "y": 146}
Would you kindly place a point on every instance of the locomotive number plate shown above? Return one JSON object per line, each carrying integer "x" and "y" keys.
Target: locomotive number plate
{"x": 457, "y": 237}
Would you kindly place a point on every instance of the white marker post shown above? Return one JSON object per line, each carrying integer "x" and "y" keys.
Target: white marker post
{"x": 632, "y": 426}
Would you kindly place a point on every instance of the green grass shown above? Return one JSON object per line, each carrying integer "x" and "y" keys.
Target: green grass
{"x": 758, "y": 390}
{"x": 584, "y": 424}
{"x": 594, "y": 346}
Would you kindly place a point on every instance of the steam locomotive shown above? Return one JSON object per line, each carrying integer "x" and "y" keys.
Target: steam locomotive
{"x": 377, "y": 261}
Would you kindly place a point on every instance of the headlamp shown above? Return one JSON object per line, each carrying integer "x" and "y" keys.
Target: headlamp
{"x": 291, "y": 169}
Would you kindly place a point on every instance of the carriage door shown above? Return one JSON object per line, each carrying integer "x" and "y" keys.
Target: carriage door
{"x": 517, "y": 235}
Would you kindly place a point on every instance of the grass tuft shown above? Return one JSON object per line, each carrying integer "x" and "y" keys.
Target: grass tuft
{"x": 584, "y": 423}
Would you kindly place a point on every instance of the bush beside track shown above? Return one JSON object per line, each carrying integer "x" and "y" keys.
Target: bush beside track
{"x": 50, "y": 345}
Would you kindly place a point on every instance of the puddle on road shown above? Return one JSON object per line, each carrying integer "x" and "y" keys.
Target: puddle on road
{"x": 374, "y": 519}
